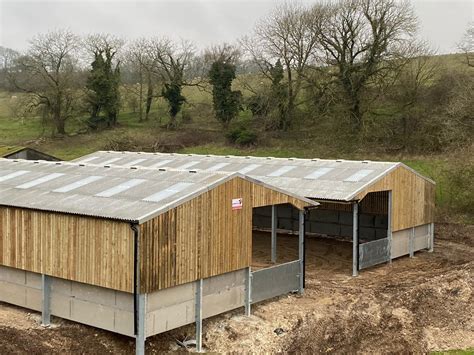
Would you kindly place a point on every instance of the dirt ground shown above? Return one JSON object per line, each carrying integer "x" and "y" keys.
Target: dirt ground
{"x": 411, "y": 305}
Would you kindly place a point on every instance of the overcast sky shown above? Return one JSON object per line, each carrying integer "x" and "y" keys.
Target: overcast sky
{"x": 203, "y": 21}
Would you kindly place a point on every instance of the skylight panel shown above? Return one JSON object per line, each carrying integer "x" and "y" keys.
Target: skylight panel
{"x": 170, "y": 191}
{"x": 86, "y": 160}
{"x": 13, "y": 175}
{"x": 161, "y": 163}
{"x": 39, "y": 181}
{"x": 358, "y": 175}
{"x": 217, "y": 167}
{"x": 249, "y": 168}
{"x": 282, "y": 170}
{"x": 318, "y": 173}
{"x": 110, "y": 161}
{"x": 120, "y": 188}
{"x": 188, "y": 165}
{"x": 134, "y": 162}
{"x": 78, "y": 184}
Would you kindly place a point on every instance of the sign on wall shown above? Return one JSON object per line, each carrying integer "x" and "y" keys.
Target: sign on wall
{"x": 236, "y": 203}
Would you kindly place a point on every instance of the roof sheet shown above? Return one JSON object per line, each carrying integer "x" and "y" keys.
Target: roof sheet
{"x": 339, "y": 180}
{"x": 123, "y": 193}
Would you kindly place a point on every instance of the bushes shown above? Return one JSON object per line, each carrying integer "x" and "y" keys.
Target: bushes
{"x": 242, "y": 135}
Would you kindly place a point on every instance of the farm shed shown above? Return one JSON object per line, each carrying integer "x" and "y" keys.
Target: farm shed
{"x": 134, "y": 251}
{"x": 18, "y": 152}
{"x": 386, "y": 209}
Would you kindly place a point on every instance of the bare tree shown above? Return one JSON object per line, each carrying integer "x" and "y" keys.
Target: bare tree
{"x": 285, "y": 35}
{"x": 171, "y": 63}
{"x": 362, "y": 40}
{"x": 467, "y": 45}
{"x": 48, "y": 73}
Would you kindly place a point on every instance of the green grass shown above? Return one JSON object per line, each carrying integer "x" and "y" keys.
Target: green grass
{"x": 469, "y": 351}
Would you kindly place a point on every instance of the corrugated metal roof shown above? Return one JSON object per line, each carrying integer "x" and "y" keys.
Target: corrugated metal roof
{"x": 339, "y": 180}
{"x": 130, "y": 194}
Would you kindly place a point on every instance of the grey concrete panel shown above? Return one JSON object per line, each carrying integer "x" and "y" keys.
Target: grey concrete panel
{"x": 225, "y": 301}
{"x": 422, "y": 230}
{"x": 327, "y": 228}
{"x": 33, "y": 280}
{"x": 124, "y": 301}
{"x": 366, "y": 220}
{"x": 171, "y": 317}
{"x": 421, "y": 242}
{"x": 368, "y": 233}
{"x": 221, "y": 283}
{"x": 373, "y": 253}
{"x": 92, "y": 314}
{"x": 345, "y": 218}
{"x": 123, "y": 323}
{"x": 61, "y": 305}
{"x": 171, "y": 296}
{"x": 61, "y": 286}
{"x": 381, "y": 221}
{"x": 12, "y": 275}
{"x": 325, "y": 216}
{"x": 33, "y": 299}
{"x": 13, "y": 293}
{"x": 400, "y": 243}
{"x": 90, "y": 293}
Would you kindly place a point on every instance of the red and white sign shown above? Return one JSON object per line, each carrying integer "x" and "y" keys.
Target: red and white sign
{"x": 237, "y": 203}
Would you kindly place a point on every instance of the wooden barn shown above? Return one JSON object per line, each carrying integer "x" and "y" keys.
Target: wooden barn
{"x": 18, "y": 152}
{"x": 385, "y": 209}
{"x": 137, "y": 251}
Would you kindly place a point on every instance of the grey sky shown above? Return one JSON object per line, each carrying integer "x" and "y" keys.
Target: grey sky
{"x": 203, "y": 21}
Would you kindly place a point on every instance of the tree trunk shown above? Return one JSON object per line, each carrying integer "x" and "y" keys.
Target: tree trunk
{"x": 149, "y": 99}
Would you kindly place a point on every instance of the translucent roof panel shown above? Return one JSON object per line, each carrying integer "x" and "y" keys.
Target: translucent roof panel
{"x": 122, "y": 193}
{"x": 312, "y": 178}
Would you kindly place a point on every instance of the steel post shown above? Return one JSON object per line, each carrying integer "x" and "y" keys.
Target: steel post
{"x": 301, "y": 250}
{"x": 45, "y": 300}
{"x": 274, "y": 234}
{"x": 431, "y": 227}
{"x": 411, "y": 243}
{"x": 140, "y": 337}
{"x": 248, "y": 291}
{"x": 389, "y": 227}
{"x": 198, "y": 314}
{"x": 355, "y": 239}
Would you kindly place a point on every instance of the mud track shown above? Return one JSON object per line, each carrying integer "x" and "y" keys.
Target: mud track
{"x": 412, "y": 305}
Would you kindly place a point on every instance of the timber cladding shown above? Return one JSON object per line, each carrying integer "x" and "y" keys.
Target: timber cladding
{"x": 83, "y": 249}
{"x": 203, "y": 237}
{"x": 413, "y": 198}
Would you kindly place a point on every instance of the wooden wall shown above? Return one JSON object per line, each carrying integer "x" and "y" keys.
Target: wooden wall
{"x": 413, "y": 198}
{"x": 82, "y": 249}
{"x": 203, "y": 237}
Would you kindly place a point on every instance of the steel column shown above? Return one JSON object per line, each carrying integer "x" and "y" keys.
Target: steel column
{"x": 248, "y": 291}
{"x": 46, "y": 300}
{"x": 355, "y": 239}
{"x": 198, "y": 314}
{"x": 301, "y": 249}
{"x": 389, "y": 227}
{"x": 140, "y": 337}
{"x": 274, "y": 234}
{"x": 431, "y": 228}
{"x": 411, "y": 243}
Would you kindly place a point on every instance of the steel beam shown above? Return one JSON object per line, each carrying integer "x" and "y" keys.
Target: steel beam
{"x": 274, "y": 233}
{"x": 140, "y": 337}
{"x": 411, "y": 243}
{"x": 355, "y": 239}
{"x": 46, "y": 300}
{"x": 248, "y": 291}
{"x": 198, "y": 314}
{"x": 389, "y": 227}
{"x": 301, "y": 250}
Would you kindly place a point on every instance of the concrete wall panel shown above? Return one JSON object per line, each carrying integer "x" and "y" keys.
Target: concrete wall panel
{"x": 400, "y": 243}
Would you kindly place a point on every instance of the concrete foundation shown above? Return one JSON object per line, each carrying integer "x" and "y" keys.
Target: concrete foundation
{"x": 113, "y": 310}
